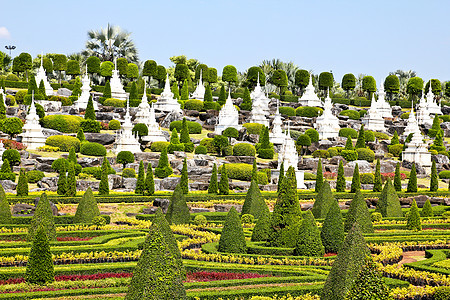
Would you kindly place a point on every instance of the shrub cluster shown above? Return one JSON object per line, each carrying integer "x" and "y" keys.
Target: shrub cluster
{"x": 308, "y": 111}
{"x": 244, "y": 149}
{"x": 93, "y": 149}
{"x": 63, "y": 142}
{"x": 193, "y": 105}
{"x": 63, "y": 123}
{"x": 348, "y": 132}
{"x": 194, "y": 127}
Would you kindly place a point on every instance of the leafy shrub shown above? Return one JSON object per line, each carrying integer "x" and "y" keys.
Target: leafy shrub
{"x": 348, "y": 132}
{"x": 321, "y": 154}
{"x": 365, "y": 154}
{"x": 261, "y": 178}
{"x": 129, "y": 173}
{"x": 10, "y": 100}
{"x": 90, "y": 126}
{"x": 99, "y": 221}
{"x": 313, "y": 135}
{"x": 308, "y": 111}
{"x": 114, "y": 102}
{"x": 404, "y": 116}
{"x": 352, "y": 114}
{"x": 369, "y": 136}
{"x": 194, "y": 127}
{"x": 253, "y": 128}
{"x": 13, "y": 156}
{"x": 93, "y": 149}
{"x": 193, "y": 105}
{"x": 209, "y": 144}
{"x": 310, "y": 176}
{"x": 140, "y": 129}
{"x": 349, "y": 155}
{"x": 376, "y": 217}
{"x": 333, "y": 151}
{"x": 200, "y": 220}
{"x": 63, "y": 123}
{"x": 211, "y": 105}
{"x": 288, "y": 111}
{"x": 200, "y": 150}
{"x": 232, "y": 239}
{"x": 64, "y": 142}
{"x": 34, "y": 176}
{"x": 239, "y": 171}
{"x": 12, "y": 77}
{"x": 362, "y": 113}
{"x": 381, "y": 135}
{"x": 159, "y": 146}
{"x": 247, "y": 219}
{"x": 444, "y": 174}
{"x": 396, "y": 150}
{"x": 114, "y": 125}
{"x": 367, "y": 178}
{"x": 244, "y": 149}
{"x": 97, "y": 171}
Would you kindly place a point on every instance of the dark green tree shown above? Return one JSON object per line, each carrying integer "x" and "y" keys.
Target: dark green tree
{"x": 388, "y": 204}
{"x": 5, "y": 210}
{"x": 394, "y": 140}
{"x": 71, "y": 185}
{"x": 62, "y": 181}
{"x": 133, "y": 91}
{"x": 140, "y": 183}
{"x": 247, "y": 102}
{"x": 40, "y": 268}
{"x": 332, "y": 232}
{"x": 103, "y": 188}
{"x": 377, "y": 184}
{"x": 323, "y": 201}
{"x": 87, "y": 209}
{"x": 59, "y": 64}
{"x": 279, "y": 79}
{"x": 413, "y": 221}
{"x": 232, "y": 239}
{"x": 150, "y": 69}
{"x": 356, "y": 182}
{"x": 434, "y": 184}
{"x": 181, "y": 72}
{"x": 43, "y": 216}
{"x": 391, "y": 85}
{"x": 436, "y": 86}
{"x": 262, "y": 227}
{"x": 220, "y": 142}
{"x": 358, "y": 212}
{"x": 302, "y": 79}
{"x": 280, "y": 177}
{"x": 132, "y": 71}
{"x": 414, "y": 86}
{"x": 212, "y": 187}
{"x": 340, "y": 181}
{"x": 309, "y": 242}
{"x": 149, "y": 186}
{"x": 412, "y": 182}
{"x": 178, "y": 211}
{"x": 124, "y": 158}
{"x": 175, "y": 91}
{"x": 326, "y": 81}
{"x": 163, "y": 168}
{"x": 397, "y": 178}
{"x": 319, "y": 177}
{"x": 349, "y": 144}
{"x": 254, "y": 203}
{"x": 253, "y": 73}
{"x": 184, "y": 95}
{"x": 42, "y": 89}
{"x": 184, "y": 182}
{"x": 32, "y": 86}
{"x": 208, "y": 98}
{"x": 73, "y": 68}
{"x": 361, "y": 141}
{"x": 369, "y": 85}
{"x": 93, "y": 65}
{"x": 222, "y": 96}
{"x": 303, "y": 141}
{"x": 348, "y": 83}
{"x": 427, "y": 210}
{"x": 184, "y": 134}
{"x": 22, "y": 184}
{"x": 80, "y": 135}
{"x": 224, "y": 187}
{"x": 229, "y": 74}
{"x": 107, "y": 90}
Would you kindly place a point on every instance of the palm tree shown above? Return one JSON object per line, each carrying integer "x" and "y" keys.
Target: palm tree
{"x": 403, "y": 77}
{"x": 268, "y": 66}
{"x": 110, "y": 43}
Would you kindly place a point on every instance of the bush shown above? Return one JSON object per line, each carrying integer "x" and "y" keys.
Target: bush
{"x": 63, "y": 123}
{"x": 40, "y": 269}
{"x": 352, "y": 114}
{"x": 365, "y": 154}
{"x": 309, "y": 242}
{"x": 93, "y": 149}
{"x": 129, "y": 173}
{"x": 381, "y": 135}
{"x": 253, "y": 128}
{"x": 200, "y": 150}
{"x": 321, "y": 154}
{"x": 310, "y": 176}
{"x": 239, "y": 171}
{"x": 396, "y": 150}
{"x": 244, "y": 149}
{"x": 362, "y": 113}
{"x": 369, "y": 136}
{"x": 261, "y": 178}
{"x": 159, "y": 146}
{"x": 367, "y": 178}
{"x": 200, "y": 220}
{"x": 125, "y": 157}
{"x": 349, "y": 155}
{"x": 34, "y": 176}
{"x": 333, "y": 151}
{"x": 194, "y": 127}
{"x": 20, "y": 95}
{"x": 114, "y": 102}
{"x": 348, "y": 132}
{"x": 376, "y": 217}
{"x": 209, "y": 144}
{"x": 247, "y": 219}
{"x": 90, "y": 126}
{"x": 232, "y": 239}
{"x": 13, "y": 156}
{"x": 308, "y": 111}
{"x": 313, "y": 135}
{"x": 211, "y": 105}
{"x": 287, "y": 111}
{"x": 444, "y": 174}
{"x": 63, "y": 142}
{"x": 12, "y": 77}
{"x": 442, "y": 293}
{"x": 193, "y": 105}
{"x": 114, "y": 125}
{"x": 266, "y": 153}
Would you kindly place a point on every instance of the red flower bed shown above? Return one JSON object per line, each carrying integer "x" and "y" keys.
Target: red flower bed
{"x": 385, "y": 176}
{"x": 329, "y": 175}
{"x": 329, "y": 254}
{"x": 10, "y": 144}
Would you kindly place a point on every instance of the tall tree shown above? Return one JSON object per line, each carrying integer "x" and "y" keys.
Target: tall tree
{"x": 229, "y": 74}
{"x": 377, "y": 185}
{"x": 279, "y": 79}
{"x": 212, "y": 187}
{"x": 332, "y": 232}
{"x": 391, "y": 85}
{"x": 319, "y": 176}
{"x": 340, "y": 181}
{"x": 369, "y": 85}
{"x": 40, "y": 268}
{"x": 140, "y": 183}
{"x": 326, "y": 81}
{"x": 302, "y": 79}
{"x": 348, "y": 83}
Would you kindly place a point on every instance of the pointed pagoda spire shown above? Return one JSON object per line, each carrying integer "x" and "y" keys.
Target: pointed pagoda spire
{"x": 42, "y": 59}
{"x": 200, "y": 81}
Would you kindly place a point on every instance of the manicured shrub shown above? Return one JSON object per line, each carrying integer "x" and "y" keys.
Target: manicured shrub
{"x": 200, "y": 220}
{"x": 442, "y": 293}
{"x": 193, "y": 105}
{"x": 103, "y": 188}
{"x": 358, "y": 212}
{"x": 356, "y": 182}
{"x": 434, "y": 184}
{"x": 22, "y": 185}
{"x": 253, "y": 128}
{"x": 34, "y": 176}
{"x": 114, "y": 102}
{"x": 184, "y": 178}
{"x": 340, "y": 181}
{"x": 309, "y": 242}
{"x": 114, "y": 125}
{"x": 413, "y": 220}
{"x": 140, "y": 129}
{"x": 321, "y": 154}
{"x": 92, "y": 149}
{"x": 361, "y": 141}
{"x": 319, "y": 176}
{"x": 13, "y": 157}
{"x": 40, "y": 268}
{"x": 140, "y": 183}
{"x": 209, "y": 144}
{"x": 232, "y": 239}
{"x": 444, "y": 174}
{"x": 377, "y": 185}
{"x": 90, "y": 126}
{"x": 332, "y": 232}
{"x": 376, "y": 217}
{"x": 308, "y": 111}
{"x": 63, "y": 142}
{"x": 5, "y": 210}
{"x": 395, "y": 150}
{"x": 62, "y": 180}
{"x": 381, "y": 135}
{"x": 244, "y": 149}
{"x": 427, "y": 210}
{"x": 63, "y": 123}
{"x": 412, "y": 182}
{"x": 313, "y": 135}
{"x": 221, "y": 143}
{"x": 323, "y": 201}
{"x": 124, "y": 158}
{"x": 158, "y": 146}
{"x": 43, "y": 216}
{"x": 348, "y": 132}
{"x": 223, "y": 186}
{"x": 389, "y": 204}
{"x": 194, "y": 127}
{"x": 200, "y": 150}
{"x": 367, "y": 178}
{"x": 397, "y": 178}
{"x": 163, "y": 169}
{"x": 87, "y": 209}
{"x": 149, "y": 186}
{"x": 287, "y": 111}
{"x": 212, "y": 187}
{"x": 254, "y": 203}
{"x": 178, "y": 211}
{"x": 352, "y": 114}
{"x": 128, "y": 173}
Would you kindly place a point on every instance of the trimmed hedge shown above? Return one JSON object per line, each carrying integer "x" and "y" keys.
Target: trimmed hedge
{"x": 348, "y": 132}
{"x": 308, "y": 111}
{"x": 352, "y": 114}
{"x": 159, "y": 146}
{"x": 244, "y": 149}
{"x": 288, "y": 111}
{"x": 193, "y": 105}
{"x": 194, "y": 127}
{"x": 63, "y": 123}
{"x": 93, "y": 149}
{"x": 253, "y": 128}
{"x": 63, "y": 142}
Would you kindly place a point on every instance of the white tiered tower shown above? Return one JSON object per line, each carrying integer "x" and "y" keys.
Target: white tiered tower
{"x": 32, "y": 135}
{"x": 126, "y": 141}
{"x": 166, "y": 102}
{"x": 411, "y": 124}
{"x": 143, "y": 110}
{"x": 383, "y": 106}
{"x": 199, "y": 92}
{"x": 433, "y": 107}
{"x": 42, "y": 76}
{"x": 423, "y": 115}
{"x": 117, "y": 90}
{"x": 417, "y": 151}
{"x": 373, "y": 119}
{"x": 327, "y": 124}
{"x": 309, "y": 97}
{"x": 259, "y": 98}
{"x": 260, "y": 107}
{"x": 276, "y": 136}
{"x": 83, "y": 100}
{"x": 228, "y": 116}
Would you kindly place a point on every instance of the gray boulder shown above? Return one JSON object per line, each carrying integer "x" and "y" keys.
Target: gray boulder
{"x": 163, "y": 203}
{"x": 363, "y": 166}
{"x": 115, "y": 181}
{"x": 8, "y": 185}
{"x": 64, "y": 92}
{"x": 83, "y": 185}
{"x": 129, "y": 183}
{"x": 101, "y": 138}
{"x": 169, "y": 183}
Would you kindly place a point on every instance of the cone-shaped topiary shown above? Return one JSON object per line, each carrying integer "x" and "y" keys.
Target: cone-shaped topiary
{"x": 389, "y": 204}
{"x": 5, "y": 210}
{"x": 140, "y": 183}
{"x": 286, "y": 214}
{"x": 232, "y": 239}
{"x": 71, "y": 184}
{"x": 309, "y": 242}
{"x": 361, "y": 141}
{"x": 356, "y": 182}
{"x": 175, "y": 91}
{"x": 107, "y": 90}
{"x": 90, "y": 112}
{"x": 394, "y": 140}
{"x": 185, "y": 91}
{"x": 412, "y": 182}
{"x": 349, "y": 144}
{"x": 184, "y": 178}
{"x": 346, "y": 266}
{"x": 208, "y": 95}
{"x": 178, "y": 211}
{"x": 434, "y": 184}
{"x": 22, "y": 184}
{"x": 103, "y": 188}
{"x": 163, "y": 168}
{"x": 40, "y": 268}
{"x": 254, "y": 203}
{"x": 80, "y": 135}
{"x": 43, "y": 216}
{"x": 427, "y": 210}
{"x": 222, "y": 96}
{"x": 212, "y": 187}
{"x": 332, "y": 232}
{"x": 254, "y": 170}
{"x": 157, "y": 274}
{"x": 340, "y": 181}
{"x": 369, "y": 284}
{"x": 133, "y": 91}
{"x": 397, "y": 178}
{"x": 413, "y": 221}
{"x": 359, "y": 212}
{"x": 72, "y": 156}
{"x": 87, "y": 209}
{"x": 262, "y": 227}
{"x": 42, "y": 89}
{"x": 323, "y": 202}
{"x": 149, "y": 186}
{"x": 281, "y": 176}
{"x": 62, "y": 181}
{"x": 224, "y": 186}
{"x": 184, "y": 134}
{"x": 319, "y": 177}
{"x": 246, "y": 100}
{"x": 6, "y": 167}
{"x": 377, "y": 185}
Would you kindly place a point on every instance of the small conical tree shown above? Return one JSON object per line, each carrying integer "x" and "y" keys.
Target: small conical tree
{"x": 62, "y": 181}
{"x": 254, "y": 203}
{"x": 149, "y": 186}
{"x": 412, "y": 183}
{"x": 103, "y": 188}
{"x": 389, "y": 204}
{"x": 107, "y": 90}
{"x": 332, "y": 232}
{"x": 413, "y": 221}
{"x": 346, "y": 266}
{"x": 32, "y": 85}
{"x": 319, "y": 177}
{"x": 377, "y": 185}
{"x": 185, "y": 91}
{"x": 42, "y": 89}
{"x": 434, "y": 184}
{"x": 175, "y": 91}
{"x": 356, "y": 183}
{"x": 163, "y": 168}
{"x": 178, "y": 211}
{"x": 76, "y": 87}
{"x": 22, "y": 184}
{"x": 140, "y": 183}
{"x": 323, "y": 201}
{"x": 5, "y": 209}
{"x": 80, "y": 135}
{"x": 262, "y": 227}
{"x": 174, "y": 139}
{"x": 40, "y": 268}
{"x": 184, "y": 182}
{"x": 247, "y": 101}
{"x": 397, "y": 178}
{"x": 133, "y": 92}
{"x": 427, "y": 210}
{"x": 309, "y": 242}
{"x": 6, "y": 168}
{"x": 349, "y": 144}
{"x": 358, "y": 212}
{"x": 340, "y": 181}
{"x": 224, "y": 186}
{"x": 184, "y": 134}
{"x": 208, "y": 98}
{"x": 232, "y": 239}
{"x": 254, "y": 170}
{"x": 212, "y": 187}
{"x": 72, "y": 156}
{"x": 395, "y": 140}
{"x": 361, "y": 141}
{"x": 280, "y": 177}
{"x": 222, "y": 96}
{"x": 87, "y": 209}
{"x": 71, "y": 184}
{"x": 90, "y": 112}
{"x": 43, "y": 216}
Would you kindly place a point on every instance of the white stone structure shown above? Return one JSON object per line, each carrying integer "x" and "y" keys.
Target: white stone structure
{"x": 277, "y": 136}
{"x": 373, "y": 120}
{"x": 433, "y": 107}
{"x": 383, "y": 106}
{"x": 32, "y": 135}
{"x": 166, "y": 102}
{"x": 155, "y": 134}
{"x": 199, "y": 92}
{"x": 2, "y": 149}
{"x": 309, "y": 97}
{"x": 417, "y": 150}
{"x": 411, "y": 125}
{"x": 228, "y": 116}
{"x": 117, "y": 90}
{"x": 40, "y": 75}
{"x": 260, "y": 99}
{"x": 83, "y": 100}
{"x": 423, "y": 115}
{"x": 143, "y": 110}
{"x": 125, "y": 140}
{"x": 327, "y": 124}
{"x": 289, "y": 156}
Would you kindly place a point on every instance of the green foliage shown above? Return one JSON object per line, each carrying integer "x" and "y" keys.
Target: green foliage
{"x": 150, "y": 68}
{"x": 73, "y": 67}
{"x": 80, "y": 135}
{"x": 396, "y": 150}
{"x": 93, "y": 65}
{"x": 435, "y": 128}
{"x": 441, "y": 293}
{"x": 309, "y": 242}
{"x": 92, "y": 149}
{"x": 178, "y": 211}
{"x": 319, "y": 178}
{"x": 414, "y": 86}
{"x": 184, "y": 178}
{"x": 184, "y": 135}
{"x": 397, "y": 178}
{"x": 128, "y": 173}
{"x": 5, "y": 210}
{"x": 159, "y": 146}
{"x": 90, "y": 126}
{"x": 352, "y": 114}
{"x": 361, "y": 141}
{"x": 434, "y": 184}
{"x": 184, "y": 95}
{"x": 436, "y": 86}
{"x": 107, "y": 90}
{"x": 308, "y": 111}
{"x": 106, "y": 69}
{"x": 140, "y": 183}
{"x": 395, "y": 140}
{"x": 125, "y": 157}
{"x": 412, "y": 183}
{"x": 149, "y": 186}
{"x": 114, "y": 125}
{"x": 365, "y": 154}
{"x": 231, "y": 132}
{"x": 388, "y": 204}
{"x": 87, "y": 209}
{"x": 391, "y": 84}
{"x": 12, "y": 126}
{"x": 90, "y": 112}
{"x": 326, "y": 80}
{"x": 43, "y": 217}
{"x": 427, "y": 210}
{"x": 244, "y": 149}
{"x": 12, "y": 156}
{"x": 200, "y": 220}
{"x": 212, "y": 187}
{"x": 40, "y": 268}
{"x": 253, "y": 128}
{"x": 358, "y": 212}
{"x": 132, "y": 71}
{"x": 348, "y": 132}
{"x": 332, "y": 232}
{"x": 62, "y": 180}
{"x": 313, "y": 135}
{"x": 229, "y": 74}
{"x": 288, "y": 111}
{"x": 163, "y": 169}
{"x": 140, "y": 129}
{"x": 232, "y": 239}
{"x": 22, "y": 185}
{"x": 254, "y": 203}
{"x": 103, "y": 188}
{"x": 413, "y": 221}
{"x": 224, "y": 187}
{"x": 356, "y": 183}
{"x": 348, "y": 82}
{"x": 247, "y": 102}
{"x": 181, "y": 72}
{"x": 220, "y": 142}
{"x": 194, "y": 127}
{"x": 377, "y": 186}
{"x": 340, "y": 181}
{"x": 193, "y": 104}
{"x": 63, "y": 123}
{"x": 222, "y": 96}
{"x": 200, "y": 150}
{"x": 323, "y": 201}
{"x": 262, "y": 228}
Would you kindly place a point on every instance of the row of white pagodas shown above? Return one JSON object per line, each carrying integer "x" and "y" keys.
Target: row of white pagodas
{"x": 433, "y": 107}
{"x": 117, "y": 90}
{"x": 382, "y": 105}
{"x": 309, "y": 97}
{"x": 277, "y": 136}
{"x": 32, "y": 135}
{"x": 125, "y": 140}
{"x": 373, "y": 120}
{"x": 260, "y": 106}
{"x": 423, "y": 114}
{"x": 327, "y": 124}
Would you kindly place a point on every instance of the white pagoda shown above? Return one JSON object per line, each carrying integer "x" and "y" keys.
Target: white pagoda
{"x": 199, "y": 92}
{"x": 411, "y": 124}
{"x": 125, "y": 140}
{"x": 327, "y": 124}
{"x": 42, "y": 76}
{"x": 143, "y": 110}
{"x": 260, "y": 99}
{"x": 383, "y": 106}
{"x": 155, "y": 133}
{"x": 277, "y": 136}
{"x": 289, "y": 156}
{"x": 373, "y": 120}
{"x": 433, "y": 107}
{"x": 2, "y": 149}
{"x": 423, "y": 115}
{"x": 228, "y": 116}
{"x": 309, "y": 97}
{"x": 166, "y": 102}
{"x": 83, "y": 100}
{"x": 417, "y": 150}
{"x": 117, "y": 90}
{"x": 32, "y": 135}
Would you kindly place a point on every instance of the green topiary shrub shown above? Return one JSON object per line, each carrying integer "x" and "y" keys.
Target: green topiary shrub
{"x": 287, "y": 111}
{"x": 313, "y": 135}
{"x": 140, "y": 129}
{"x": 43, "y": 216}
{"x": 369, "y": 136}
{"x": 442, "y": 293}
{"x": 90, "y": 126}
{"x": 200, "y": 220}
{"x": 413, "y": 221}
{"x": 321, "y": 154}
{"x": 213, "y": 184}
{"x": 193, "y": 105}
{"x": 356, "y": 182}
{"x": 367, "y": 178}
{"x": 140, "y": 183}
{"x": 247, "y": 219}
{"x": 200, "y": 150}
{"x": 5, "y": 209}
{"x": 114, "y": 125}
{"x": 254, "y": 203}
{"x": 333, "y": 151}
{"x": 352, "y": 114}
{"x": 22, "y": 184}
{"x": 114, "y": 102}
{"x": 40, "y": 268}
{"x": 381, "y": 135}
{"x": 348, "y": 133}
{"x": 239, "y": 171}
{"x": 427, "y": 210}
{"x": 92, "y": 149}
{"x": 178, "y": 211}
{"x": 253, "y": 128}
{"x": 63, "y": 142}
{"x": 309, "y": 242}
{"x": 159, "y": 146}
{"x": 124, "y": 158}
{"x": 349, "y": 155}
{"x": 13, "y": 157}
{"x": 319, "y": 177}
{"x": 35, "y": 176}
{"x": 244, "y": 149}
{"x": 209, "y": 144}
{"x": 163, "y": 169}
{"x": 376, "y": 217}
{"x": 128, "y": 173}
{"x": 358, "y": 212}
{"x": 308, "y": 111}
{"x": 395, "y": 150}
{"x": 232, "y": 239}
{"x": 332, "y": 232}
{"x": 87, "y": 209}
{"x": 389, "y": 204}
{"x": 340, "y": 180}
{"x": 149, "y": 184}
{"x": 223, "y": 186}
{"x": 63, "y": 123}
{"x": 412, "y": 182}
{"x": 194, "y": 127}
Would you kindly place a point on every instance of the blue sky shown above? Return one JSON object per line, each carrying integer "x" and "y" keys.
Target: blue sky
{"x": 370, "y": 37}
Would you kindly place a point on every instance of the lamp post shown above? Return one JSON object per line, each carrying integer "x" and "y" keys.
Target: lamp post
{"x": 10, "y": 48}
